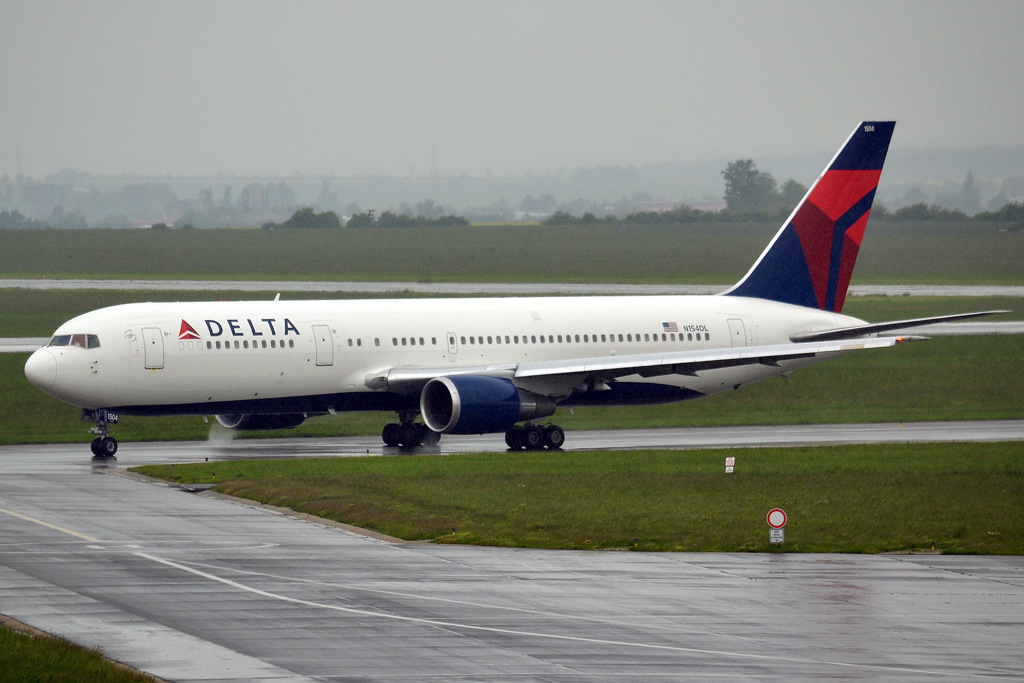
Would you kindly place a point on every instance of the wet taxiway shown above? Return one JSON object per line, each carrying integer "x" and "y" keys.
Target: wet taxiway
{"x": 195, "y": 588}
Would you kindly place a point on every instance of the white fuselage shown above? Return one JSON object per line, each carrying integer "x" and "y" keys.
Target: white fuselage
{"x": 319, "y": 355}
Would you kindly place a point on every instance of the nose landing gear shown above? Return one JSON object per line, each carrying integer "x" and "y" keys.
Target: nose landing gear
{"x": 104, "y": 445}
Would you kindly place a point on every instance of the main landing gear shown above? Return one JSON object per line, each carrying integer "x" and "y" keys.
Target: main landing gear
{"x": 535, "y": 437}
{"x": 409, "y": 434}
{"x": 104, "y": 445}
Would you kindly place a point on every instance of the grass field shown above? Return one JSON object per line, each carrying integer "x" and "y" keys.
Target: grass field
{"x": 48, "y": 659}
{"x": 966, "y": 498}
{"x": 948, "y": 378}
{"x": 699, "y": 253}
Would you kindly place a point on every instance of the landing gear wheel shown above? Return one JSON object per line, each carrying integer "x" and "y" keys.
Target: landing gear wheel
{"x": 514, "y": 438}
{"x": 108, "y": 446}
{"x": 390, "y": 434}
{"x": 554, "y": 437}
{"x": 533, "y": 438}
{"x": 95, "y": 446}
{"x": 409, "y": 435}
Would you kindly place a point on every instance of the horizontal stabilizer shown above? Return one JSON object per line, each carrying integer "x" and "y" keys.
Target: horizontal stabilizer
{"x": 863, "y": 330}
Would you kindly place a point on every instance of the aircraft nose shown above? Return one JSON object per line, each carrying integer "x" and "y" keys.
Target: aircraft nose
{"x": 41, "y": 369}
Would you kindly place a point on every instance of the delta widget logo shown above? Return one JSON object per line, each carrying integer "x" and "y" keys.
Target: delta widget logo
{"x": 187, "y": 331}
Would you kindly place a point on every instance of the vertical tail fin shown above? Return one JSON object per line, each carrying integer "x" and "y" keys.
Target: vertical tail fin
{"x": 810, "y": 260}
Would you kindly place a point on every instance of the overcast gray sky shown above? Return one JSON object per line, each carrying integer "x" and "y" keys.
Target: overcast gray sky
{"x": 274, "y": 88}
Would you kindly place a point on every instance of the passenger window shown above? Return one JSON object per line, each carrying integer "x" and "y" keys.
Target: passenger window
{"x": 394, "y": 341}
{"x": 497, "y": 340}
{"x": 603, "y": 338}
{"x": 629, "y": 337}
{"x": 291, "y": 343}
{"x": 263, "y": 343}
{"x": 707, "y": 336}
{"x": 463, "y": 340}
{"x": 533, "y": 340}
{"x": 506, "y": 339}
{"x": 490, "y": 340}
{"x": 516, "y": 339}
{"x": 664, "y": 337}
{"x": 273, "y": 344}
{"x": 647, "y": 338}
{"x": 236, "y": 343}
{"x": 350, "y": 342}
{"x": 542, "y": 339}
{"x": 404, "y": 339}
{"x": 559, "y": 339}
{"x": 359, "y": 342}
{"x": 376, "y": 341}
{"x": 433, "y": 340}
{"x": 412, "y": 341}
{"x": 209, "y": 345}
{"x": 472, "y": 340}
{"x": 586, "y": 338}
{"x": 245, "y": 344}
{"x": 421, "y": 341}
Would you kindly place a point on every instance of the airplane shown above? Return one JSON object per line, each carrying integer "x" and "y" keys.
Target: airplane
{"x": 484, "y": 365}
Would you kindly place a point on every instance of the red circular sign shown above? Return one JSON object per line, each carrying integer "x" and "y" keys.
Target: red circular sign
{"x": 776, "y": 518}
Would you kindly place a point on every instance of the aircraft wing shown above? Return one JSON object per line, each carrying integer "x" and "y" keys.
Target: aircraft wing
{"x": 604, "y": 368}
{"x": 862, "y": 330}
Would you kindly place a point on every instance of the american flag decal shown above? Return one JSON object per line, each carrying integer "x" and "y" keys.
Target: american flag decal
{"x": 670, "y": 327}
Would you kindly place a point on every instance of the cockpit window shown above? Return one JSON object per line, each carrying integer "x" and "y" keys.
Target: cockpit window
{"x": 85, "y": 341}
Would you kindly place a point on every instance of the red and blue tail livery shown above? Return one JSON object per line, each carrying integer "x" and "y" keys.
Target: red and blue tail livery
{"x": 810, "y": 261}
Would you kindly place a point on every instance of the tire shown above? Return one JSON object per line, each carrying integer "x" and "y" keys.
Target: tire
{"x": 108, "y": 446}
{"x": 533, "y": 438}
{"x": 554, "y": 437}
{"x": 95, "y": 446}
{"x": 409, "y": 435}
{"x": 514, "y": 439}
{"x": 390, "y": 434}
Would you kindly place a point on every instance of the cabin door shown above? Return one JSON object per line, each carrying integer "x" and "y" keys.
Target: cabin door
{"x": 153, "y": 340}
{"x": 737, "y": 332}
{"x": 324, "y": 345}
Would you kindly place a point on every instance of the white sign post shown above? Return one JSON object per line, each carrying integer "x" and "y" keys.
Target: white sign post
{"x": 777, "y": 521}
{"x": 730, "y": 463}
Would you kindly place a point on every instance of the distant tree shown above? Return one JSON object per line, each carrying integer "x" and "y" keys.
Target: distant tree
{"x": 1008, "y": 212}
{"x": 747, "y": 189}
{"x": 791, "y": 194}
{"x": 12, "y": 220}
{"x": 970, "y": 195}
{"x": 225, "y": 202}
{"x": 561, "y": 218}
{"x": 361, "y": 220}
{"x": 159, "y": 226}
{"x": 922, "y": 212}
{"x": 307, "y": 219}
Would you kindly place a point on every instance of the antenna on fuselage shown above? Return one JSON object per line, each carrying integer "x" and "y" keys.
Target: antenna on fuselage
{"x": 278, "y": 297}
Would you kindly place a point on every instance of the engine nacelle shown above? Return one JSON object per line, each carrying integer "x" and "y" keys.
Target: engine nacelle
{"x": 474, "y": 404}
{"x": 253, "y": 423}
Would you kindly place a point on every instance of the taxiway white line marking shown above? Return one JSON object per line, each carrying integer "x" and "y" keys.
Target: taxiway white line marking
{"x": 40, "y": 522}
{"x": 551, "y": 636}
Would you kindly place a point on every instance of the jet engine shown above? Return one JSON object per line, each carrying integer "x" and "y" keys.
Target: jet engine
{"x": 474, "y": 404}
{"x": 254, "y": 423}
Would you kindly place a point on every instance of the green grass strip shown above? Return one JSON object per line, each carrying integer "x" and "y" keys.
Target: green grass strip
{"x": 966, "y": 498}
{"x": 49, "y": 659}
